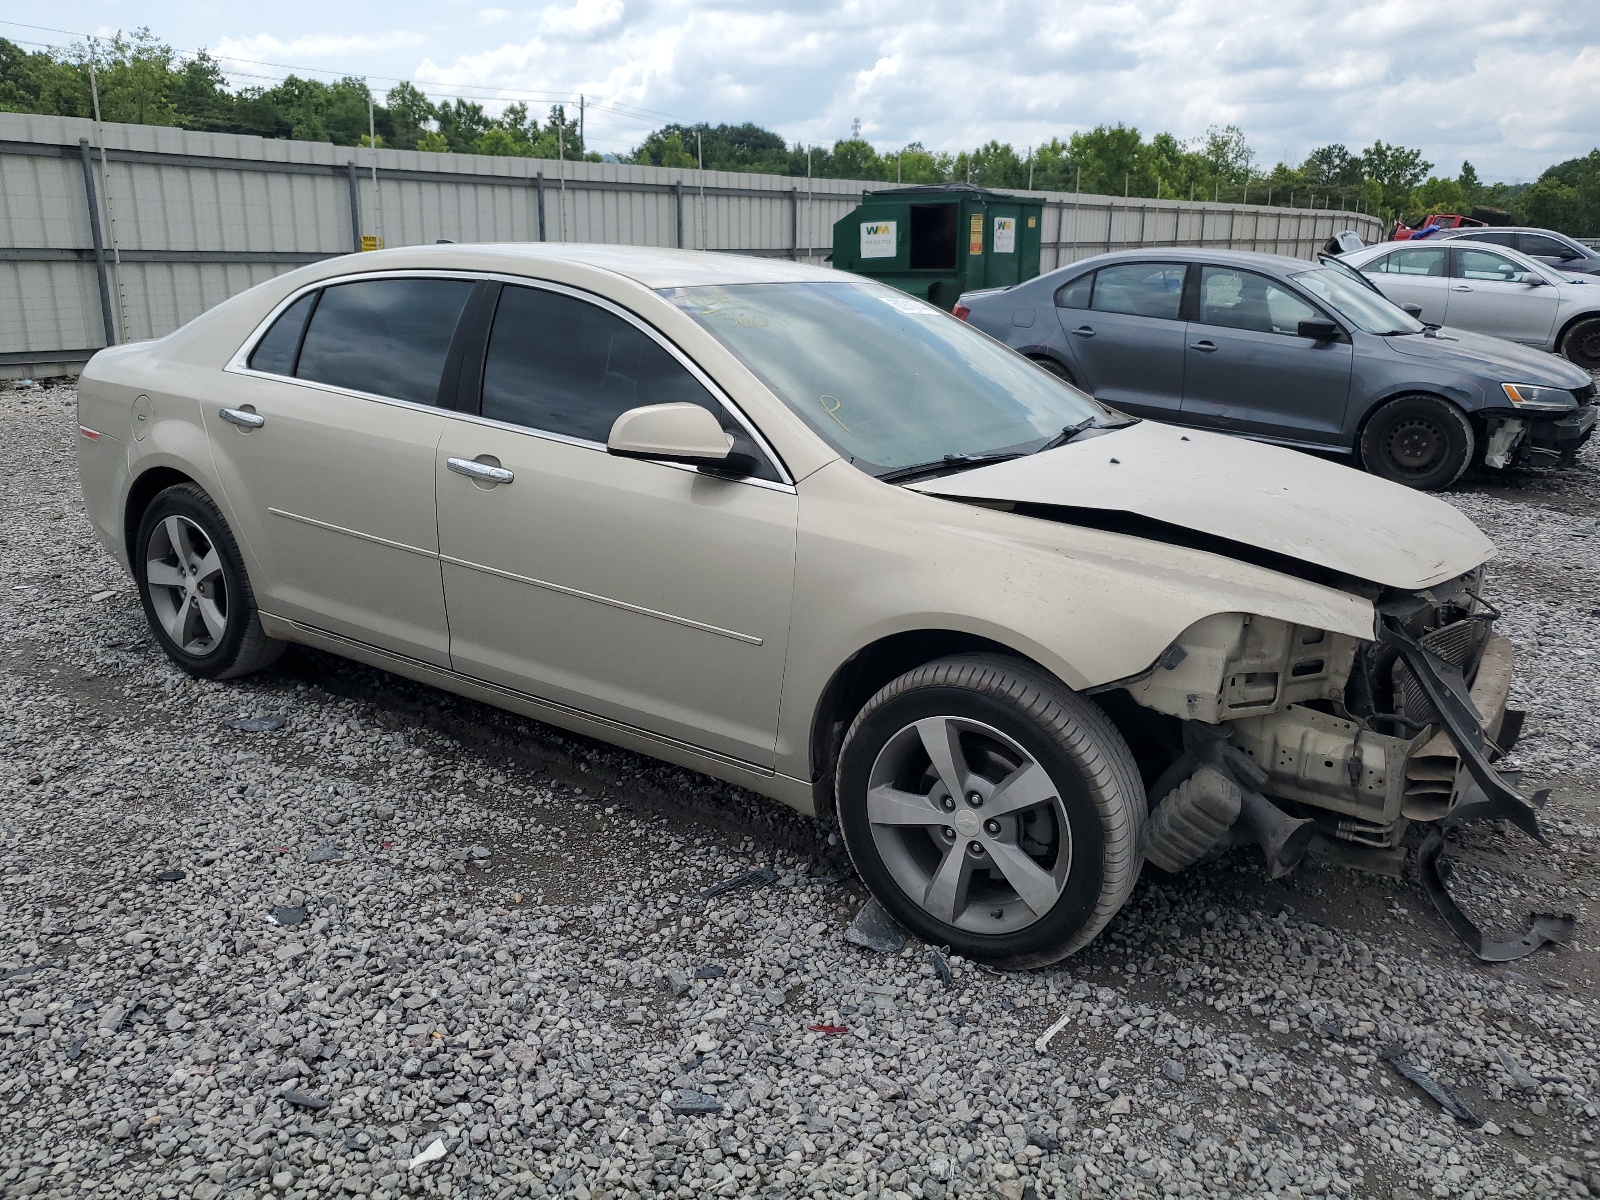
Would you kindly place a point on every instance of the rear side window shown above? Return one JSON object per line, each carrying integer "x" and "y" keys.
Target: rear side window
{"x": 275, "y": 353}
{"x": 558, "y": 364}
{"x": 1140, "y": 289}
{"x": 1496, "y": 239}
{"x": 1076, "y": 293}
{"x": 1545, "y": 245}
{"x": 1421, "y": 260}
{"x": 389, "y": 337}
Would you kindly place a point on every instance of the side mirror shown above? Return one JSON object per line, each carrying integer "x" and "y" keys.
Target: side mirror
{"x": 1412, "y": 310}
{"x": 1320, "y": 330}
{"x": 1532, "y": 280}
{"x": 684, "y": 433}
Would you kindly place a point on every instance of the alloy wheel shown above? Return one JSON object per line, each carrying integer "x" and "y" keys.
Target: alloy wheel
{"x": 187, "y": 587}
{"x": 969, "y": 824}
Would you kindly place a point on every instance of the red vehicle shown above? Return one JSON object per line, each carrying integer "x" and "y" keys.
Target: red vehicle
{"x": 1431, "y": 225}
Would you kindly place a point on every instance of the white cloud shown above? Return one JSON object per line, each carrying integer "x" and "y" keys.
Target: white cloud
{"x": 1511, "y": 87}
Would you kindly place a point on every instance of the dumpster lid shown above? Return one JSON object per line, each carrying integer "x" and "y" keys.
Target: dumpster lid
{"x": 954, "y": 191}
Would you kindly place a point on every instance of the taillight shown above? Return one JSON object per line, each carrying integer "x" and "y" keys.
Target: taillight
{"x": 962, "y": 311}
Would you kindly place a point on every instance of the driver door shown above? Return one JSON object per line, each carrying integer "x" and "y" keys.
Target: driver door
{"x": 646, "y": 593}
{"x": 1488, "y": 294}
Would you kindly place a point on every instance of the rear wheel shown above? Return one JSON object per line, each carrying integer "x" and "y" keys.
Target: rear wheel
{"x": 1582, "y": 344}
{"x": 991, "y": 809}
{"x": 1055, "y": 368}
{"x": 192, "y": 584}
{"x": 1421, "y": 441}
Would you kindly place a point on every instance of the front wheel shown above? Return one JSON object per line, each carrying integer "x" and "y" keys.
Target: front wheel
{"x": 991, "y": 809}
{"x": 1421, "y": 441}
{"x": 193, "y": 586}
{"x": 1582, "y": 344}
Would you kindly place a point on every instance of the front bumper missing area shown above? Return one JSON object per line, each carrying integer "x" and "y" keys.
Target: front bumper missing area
{"x": 1490, "y": 796}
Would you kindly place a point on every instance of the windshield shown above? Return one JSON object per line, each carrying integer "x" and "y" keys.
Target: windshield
{"x": 888, "y": 380}
{"x": 1364, "y": 308}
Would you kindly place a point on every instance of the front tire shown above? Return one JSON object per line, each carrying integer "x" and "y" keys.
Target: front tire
{"x": 991, "y": 809}
{"x": 193, "y": 586}
{"x": 1582, "y": 344}
{"x": 1421, "y": 441}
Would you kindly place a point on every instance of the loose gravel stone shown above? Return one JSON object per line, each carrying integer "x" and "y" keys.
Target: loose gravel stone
{"x": 507, "y": 1032}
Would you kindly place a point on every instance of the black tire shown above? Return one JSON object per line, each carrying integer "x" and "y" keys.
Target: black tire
{"x": 1055, "y": 368}
{"x": 1581, "y": 344}
{"x": 1093, "y": 781}
{"x": 242, "y": 646}
{"x": 1421, "y": 441}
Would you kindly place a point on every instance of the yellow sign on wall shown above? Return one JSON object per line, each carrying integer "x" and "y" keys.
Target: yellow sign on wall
{"x": 975, "y": 241}
{"x": 368, "y": 242}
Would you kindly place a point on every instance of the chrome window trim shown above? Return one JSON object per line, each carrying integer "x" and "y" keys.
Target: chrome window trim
{"x": 239, "y": 365}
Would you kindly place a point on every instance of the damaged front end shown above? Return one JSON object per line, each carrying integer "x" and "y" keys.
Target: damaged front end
{"x": 1300, "y": 739}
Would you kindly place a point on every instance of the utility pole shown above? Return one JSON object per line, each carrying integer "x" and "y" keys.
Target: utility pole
{"x": 105, "y": 187}
{"x": 561, "y": 158}
{"x": 1030, "y": 168}
{"x": 580, "y": 122}
{"x": 1125, "y": 185}
{"x": 377, "y": 196}
{"x": 700, "y": 156}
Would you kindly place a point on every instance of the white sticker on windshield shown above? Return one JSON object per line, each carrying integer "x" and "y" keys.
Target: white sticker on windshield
{"x": 1005, "y": 235}
{"x": 909, "y": 306}
{"x": 877, "y": 239}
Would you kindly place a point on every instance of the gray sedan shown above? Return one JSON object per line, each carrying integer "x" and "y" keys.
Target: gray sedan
{"x": 1300, "y": 353}
{"x": 1546, "y": 245}
{"x": 1490, "y": 289}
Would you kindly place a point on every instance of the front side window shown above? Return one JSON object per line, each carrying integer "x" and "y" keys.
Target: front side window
{"x": 1486, "y": 265}
{"x": 388, "y": 337}
{"x": 559, "y": 364}
{"x": 1245, "y": 300}
{"x": 277, "y": 350}
{"x": 1418, "y": 260}
{"x": 887, "y": 380}
{"x": 1357, "y": 303}
{"x": 1140, "y": 289}
{"x": 1546, "y": 246}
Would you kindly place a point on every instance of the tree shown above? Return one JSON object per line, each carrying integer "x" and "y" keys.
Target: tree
{"x": 1228, "y": 153}
{"x": 1332, "y": 166}
{"x": 409, "y": 112}
{"x": 1398, "y": 171}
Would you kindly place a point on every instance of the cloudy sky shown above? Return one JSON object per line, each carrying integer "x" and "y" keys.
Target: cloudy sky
{"x": 1512, "y": 85}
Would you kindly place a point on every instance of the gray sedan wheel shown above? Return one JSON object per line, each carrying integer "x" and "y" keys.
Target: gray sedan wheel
{"x": 1421, "y": 441}
{"x": 193, "y": 586}
{"x": 1582, "y": 344}
{"x": 991, "y": 809}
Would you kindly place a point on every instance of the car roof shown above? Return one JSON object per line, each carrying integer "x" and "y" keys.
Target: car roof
{"x": 1478, "y": 230}
{"x": 653, "y": 266}
{"x": 1188, "y": 254}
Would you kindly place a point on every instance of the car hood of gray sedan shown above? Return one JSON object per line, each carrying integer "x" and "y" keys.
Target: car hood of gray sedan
{"x": 1508, "y": 362}
{"x": 1279, "y": 501}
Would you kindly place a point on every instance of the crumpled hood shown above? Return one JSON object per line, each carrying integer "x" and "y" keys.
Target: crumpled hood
{"x": 1508, "y": 362}
{"x": 1277, "y": 500}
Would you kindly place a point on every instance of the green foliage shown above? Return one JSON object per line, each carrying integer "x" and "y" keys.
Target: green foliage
{"x": 144, "y": 81}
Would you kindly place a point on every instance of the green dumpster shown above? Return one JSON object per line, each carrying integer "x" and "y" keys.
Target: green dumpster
{"x": 939, "y": 241}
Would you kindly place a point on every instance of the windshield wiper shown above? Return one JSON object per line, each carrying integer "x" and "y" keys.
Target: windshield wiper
{"x": 948, "y": 462}
{"x": 1071, "y": 432}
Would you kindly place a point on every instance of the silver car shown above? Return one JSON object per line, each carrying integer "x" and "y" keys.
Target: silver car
{"x": 1489, "y": 289}
{"x": 1557, "y": 250}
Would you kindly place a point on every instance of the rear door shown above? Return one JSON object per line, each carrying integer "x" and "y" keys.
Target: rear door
{"x": 1248, "y": 370}
{"x": 1414, "y": 275}
{"x": 1489, "y": 293}
{"x": 326, "y": 459}
{"x": 1127, "y": 335}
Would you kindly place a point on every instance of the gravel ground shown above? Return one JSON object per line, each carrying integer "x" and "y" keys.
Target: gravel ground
{"x": 406, "y": 944}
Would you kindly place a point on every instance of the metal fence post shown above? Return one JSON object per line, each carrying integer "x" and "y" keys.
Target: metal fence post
{"x": 1111, "y": 213}
{"x": 677, "y": 198}
{"x": 99, "y": 245}
{"x": 794, "y": 223}
{"x": 355, "y": 207}
{"x": 538, "y": 182}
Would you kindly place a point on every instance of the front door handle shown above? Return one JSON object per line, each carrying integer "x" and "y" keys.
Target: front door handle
{"x": 241, "y": 418}
{"x": 478, "y": 470}
{"x": 1083, "y": 331}
{"x": 1461, "y": 287}
{"x": 1203, "y": 346}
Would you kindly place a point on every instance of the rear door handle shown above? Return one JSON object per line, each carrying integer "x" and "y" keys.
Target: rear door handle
{"x": 1203, "y": 347}
{"x": 1461, "y": 287}
{"x": 241, "y": 418}
{"x": 478, "y": 470}
{"x": 1083, "y": 331}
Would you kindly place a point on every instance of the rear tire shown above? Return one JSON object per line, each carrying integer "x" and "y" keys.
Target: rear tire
{"x": 1055, "y": 368}
{"x": 1581, "y": 345}
{"x": 1040, "y": 849}
{"x": 194, "y": 590}
{"x": 1421, "y": 441}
